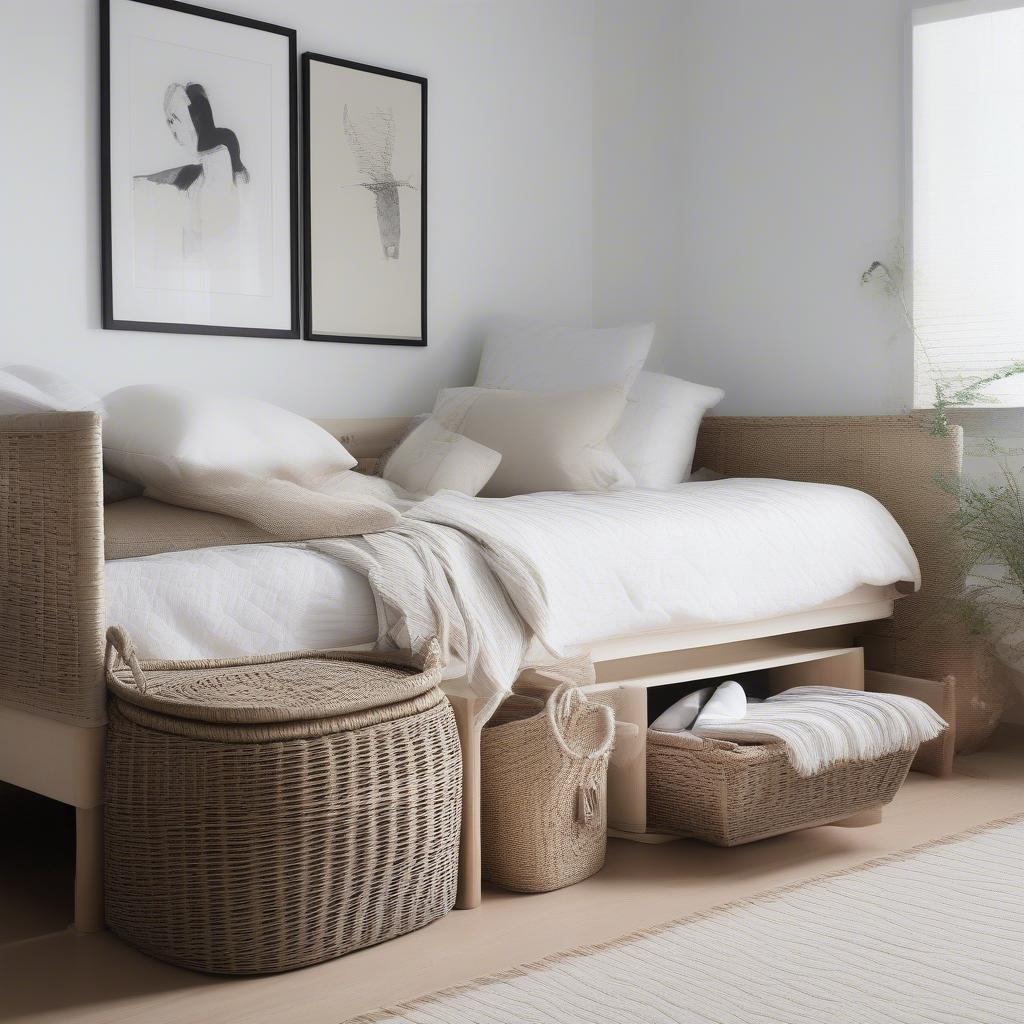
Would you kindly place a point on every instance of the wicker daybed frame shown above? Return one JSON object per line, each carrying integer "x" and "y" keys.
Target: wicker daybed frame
{"x": 52, "y": 697}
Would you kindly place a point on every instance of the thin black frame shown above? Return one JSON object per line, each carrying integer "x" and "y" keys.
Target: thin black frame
{"x": 307, "y": 242}
{"x": 109, "y": 322}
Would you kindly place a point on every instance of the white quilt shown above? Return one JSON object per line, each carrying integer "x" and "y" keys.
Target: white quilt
{"x": 724, "y": 551}
{"x": 496, "y": 574}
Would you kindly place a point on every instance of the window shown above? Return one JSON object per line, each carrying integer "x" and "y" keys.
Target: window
{"x": 968, "y": 194}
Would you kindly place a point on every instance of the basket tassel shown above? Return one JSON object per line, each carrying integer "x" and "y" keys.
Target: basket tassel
{"x": 587, "y": 806}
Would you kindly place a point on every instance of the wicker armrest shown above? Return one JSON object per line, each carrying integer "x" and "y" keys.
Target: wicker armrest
{"x": 896, "y": 460}
{"x": 51, "y": 565}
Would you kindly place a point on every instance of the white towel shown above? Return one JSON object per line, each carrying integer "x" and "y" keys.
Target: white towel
{"x": 824, "y": 725}
{"x": 728, "y": 704}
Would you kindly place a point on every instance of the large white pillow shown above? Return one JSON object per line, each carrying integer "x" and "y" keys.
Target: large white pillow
{"x": 658, "y": 431}
{"x": 432, "y": 458}
{"x": 547, "y": 442}
{"x": 546, "y": 358}
{"x": 240, "y": 457}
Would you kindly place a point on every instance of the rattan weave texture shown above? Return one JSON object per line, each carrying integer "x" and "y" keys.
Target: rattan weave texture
{"x": 544, "y": 773}
{"x": 729, "y": 794}
{"x": 51, "y": 565}
{"x": 248, "y": 847}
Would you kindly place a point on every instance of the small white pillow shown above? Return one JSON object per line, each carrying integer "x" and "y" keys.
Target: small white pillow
{"x": 63, "y": 394}
{"x": 681, "y": 715}
{"x": 657, "y": 434}
{"x": 433, "y": 459}
{"x": 548, "y": 442}
{"x": 728, "y": 704}
{"x": 28, "y": 389}
{"x": 240, "y": 457}
{"x": 546, "y": 358}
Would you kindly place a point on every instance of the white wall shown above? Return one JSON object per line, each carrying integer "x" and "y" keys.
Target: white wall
{"x": 510, "y": 196}
{"x": 749, "y": 164}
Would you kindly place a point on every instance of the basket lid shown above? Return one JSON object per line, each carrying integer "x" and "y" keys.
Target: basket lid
{"x": 299, "y": 686}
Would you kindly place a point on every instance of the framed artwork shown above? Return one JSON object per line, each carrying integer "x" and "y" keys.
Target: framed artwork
{"x": 199, "y": 171}
{"x": 365, "y": 225}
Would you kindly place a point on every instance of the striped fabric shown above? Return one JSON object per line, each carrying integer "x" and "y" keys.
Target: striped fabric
{"x": 824, "y": 725}
{"x": 933, "y": 935}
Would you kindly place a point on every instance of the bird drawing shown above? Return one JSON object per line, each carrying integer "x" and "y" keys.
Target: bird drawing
{"x": 371, "y": 137}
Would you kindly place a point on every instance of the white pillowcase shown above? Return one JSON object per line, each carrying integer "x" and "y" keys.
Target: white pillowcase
{"x": 64, "y": 393}
{"x": 432, "y": 458}
{"x": 728, "y": 704}
{"x": 153, "y": 431}
{"x": 548, "y": 442}
{"x": 657, "y": 434}
{"x": 681, "y": 715}
{"x": 546, "y": 358}
{"x": 240, "y": 457}
{"x": 30, "y": 389}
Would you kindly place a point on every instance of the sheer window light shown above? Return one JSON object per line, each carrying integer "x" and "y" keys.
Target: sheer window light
{"x": 968, "y": 195}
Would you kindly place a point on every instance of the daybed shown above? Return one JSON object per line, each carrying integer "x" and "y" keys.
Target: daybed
{"x": 52, "y": 700}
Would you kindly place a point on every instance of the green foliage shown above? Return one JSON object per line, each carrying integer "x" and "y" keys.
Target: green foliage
{"x": 988, "y": 521}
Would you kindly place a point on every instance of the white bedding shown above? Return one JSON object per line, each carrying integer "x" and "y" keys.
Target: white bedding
{"x": 606, "y": 565}
{"x": 230, "y": 601}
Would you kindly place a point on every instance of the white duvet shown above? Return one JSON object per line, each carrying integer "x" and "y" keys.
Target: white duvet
{"x": 594, "y": 566}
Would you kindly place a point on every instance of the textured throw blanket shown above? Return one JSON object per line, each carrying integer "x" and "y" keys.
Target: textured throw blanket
{"x": 429, "y": 580}
{"x": 824, "y": 725}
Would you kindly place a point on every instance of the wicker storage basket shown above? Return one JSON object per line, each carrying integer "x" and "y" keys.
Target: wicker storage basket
{"x": 275, "y": 812}
{"x": 728, "y": 794}
{"x": 544, "y": 772}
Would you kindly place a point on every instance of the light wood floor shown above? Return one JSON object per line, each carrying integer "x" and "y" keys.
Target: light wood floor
{"x": 49, "y": 973}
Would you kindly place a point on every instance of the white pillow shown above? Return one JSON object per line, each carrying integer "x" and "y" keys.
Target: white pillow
{"x": 28, "y": 389}
{"x": 240, "y": 457}
{"x": 548, "y": 442}
{"x": 728, "y": 704}
{"x": 658, "y": 431}
{"x": 433, "y": 459}
{"x": 564, "y": 358}
{"x": 63, "y": 394}
{"x": 681, "y": 715}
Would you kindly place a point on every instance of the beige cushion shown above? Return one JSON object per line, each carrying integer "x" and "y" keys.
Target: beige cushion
{"x": 284, "y": 508}
{"x": 548, "y": 442}
{"x": 433, "y": 459}
{"x": 140, "y": 526}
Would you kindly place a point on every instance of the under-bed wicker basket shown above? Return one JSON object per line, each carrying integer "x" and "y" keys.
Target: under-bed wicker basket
{"x": 729, "y": 794}
{"x": 274, "y": 812}
{"x": 543, "y": 779}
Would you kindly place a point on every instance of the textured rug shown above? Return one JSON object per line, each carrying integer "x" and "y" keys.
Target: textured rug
{"x": 934, "y": 934}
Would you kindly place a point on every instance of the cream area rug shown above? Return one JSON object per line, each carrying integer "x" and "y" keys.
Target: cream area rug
{"x": 932, "y": 935}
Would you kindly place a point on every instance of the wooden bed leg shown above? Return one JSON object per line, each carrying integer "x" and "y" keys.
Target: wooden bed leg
{"x": 89, "y": 869}
{"x": 872, "y": 816}
{"x": 468, "y": 717}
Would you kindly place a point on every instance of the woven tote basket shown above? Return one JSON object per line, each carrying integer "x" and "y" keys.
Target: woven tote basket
{"x": 729, "y": 794}
{"x": 273, "y": 812}
{"x": 544, "y": 772}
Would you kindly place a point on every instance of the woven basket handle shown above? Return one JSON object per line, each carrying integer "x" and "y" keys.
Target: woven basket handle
{"x": 559, "y": 709}
{"x": 119, "y": 643}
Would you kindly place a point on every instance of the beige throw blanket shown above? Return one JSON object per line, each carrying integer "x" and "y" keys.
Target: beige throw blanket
{"x": 429, "y": 580}
{"x": 824, "y": 725}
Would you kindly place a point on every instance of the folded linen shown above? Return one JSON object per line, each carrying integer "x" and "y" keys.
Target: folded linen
{"x": 681, "y": 715}
{"x": 727, "y": 704}
{"x": 825, "y": 725}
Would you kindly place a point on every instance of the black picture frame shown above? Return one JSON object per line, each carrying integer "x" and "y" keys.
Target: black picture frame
{"x": 109, "y": 321}
{"x": 307, "y": 289}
